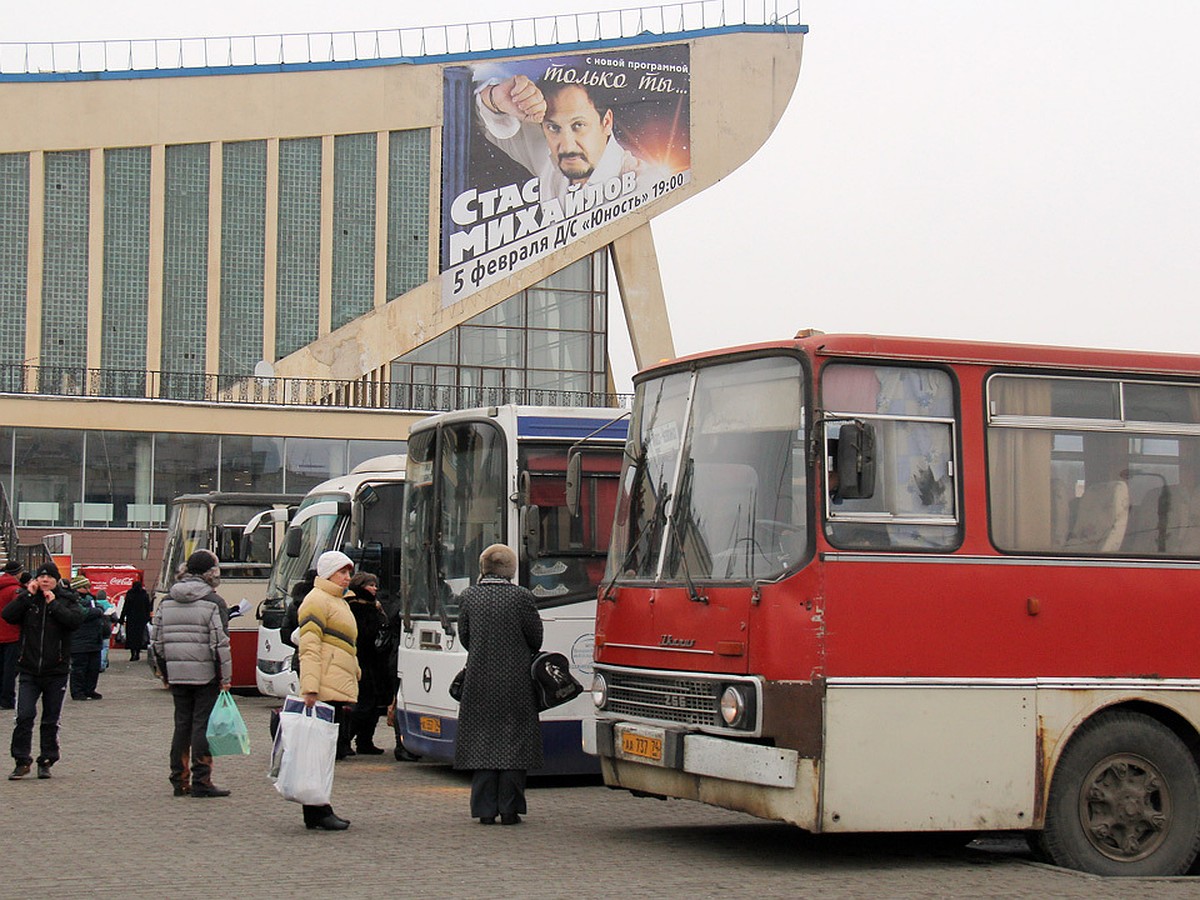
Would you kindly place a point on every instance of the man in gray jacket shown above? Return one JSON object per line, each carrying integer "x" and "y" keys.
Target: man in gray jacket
{"x": 191, "y": 644}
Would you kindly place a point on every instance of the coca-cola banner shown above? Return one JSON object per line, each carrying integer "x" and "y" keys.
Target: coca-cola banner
{"x": 113, "y": 580}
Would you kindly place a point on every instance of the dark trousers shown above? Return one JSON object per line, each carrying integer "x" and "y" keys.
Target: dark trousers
{"x": 365, "y": 714}
{"x": 497, "y": 792}
{"x": 8, "y": 674}
{"x": 85, "y": 673}
{"x": 52, "y": 689}
{"x": 193, "y": 705}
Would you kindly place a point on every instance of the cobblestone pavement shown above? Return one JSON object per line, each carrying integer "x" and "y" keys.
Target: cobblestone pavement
{"x": 107, "y": 825}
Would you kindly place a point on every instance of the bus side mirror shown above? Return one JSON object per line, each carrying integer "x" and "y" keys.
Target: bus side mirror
{"x": 531, "y": 531}
{"x": 856, "y": 461}
{"x": 574, "y": 482}
{"x": 293, "y": 541}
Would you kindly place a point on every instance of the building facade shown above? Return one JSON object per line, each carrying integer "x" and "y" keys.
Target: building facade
{"x": 249, "y": 263}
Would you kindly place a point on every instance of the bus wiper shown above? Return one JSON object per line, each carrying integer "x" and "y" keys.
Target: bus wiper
{"x": 685, "y": 501}
{"x": 438, "y": 587}
{"x": 635, "y": 504}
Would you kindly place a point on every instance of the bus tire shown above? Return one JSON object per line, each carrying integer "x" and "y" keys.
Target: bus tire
{"x": 1124, "y": 799}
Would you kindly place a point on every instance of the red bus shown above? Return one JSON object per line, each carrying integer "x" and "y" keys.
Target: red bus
{"x": 886, "y": 584}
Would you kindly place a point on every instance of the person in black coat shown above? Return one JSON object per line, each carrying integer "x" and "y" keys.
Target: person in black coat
{"x": 48, "y": 613}
{"x": 135, "y": 616}
{"x": 499, "y": 735}
{"x": 85, "y": 643}
{"x": 373, "y": 683}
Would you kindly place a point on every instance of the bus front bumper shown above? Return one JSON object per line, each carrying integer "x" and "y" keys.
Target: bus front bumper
{"x": 695, "y": 754}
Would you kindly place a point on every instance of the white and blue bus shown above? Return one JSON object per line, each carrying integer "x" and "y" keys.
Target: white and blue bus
{"x": 359, "y": 514}
{"x": 497, "y": 475}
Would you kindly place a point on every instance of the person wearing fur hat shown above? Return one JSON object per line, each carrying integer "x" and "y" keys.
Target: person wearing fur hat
{"x": 191, "y": 644}
{"x": 47, "y": 613}
{"x": 85, "y": 643}
{"x": 329, "y": 656}
{"x": 9, "y": 636}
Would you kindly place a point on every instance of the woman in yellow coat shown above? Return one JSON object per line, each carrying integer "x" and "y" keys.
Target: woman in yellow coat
{"x": 328, "y": 656}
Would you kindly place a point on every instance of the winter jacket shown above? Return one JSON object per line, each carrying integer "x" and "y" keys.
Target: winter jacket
{"x": 498, "y": 727}
{"x": 328, "y": 645}
{"x": 45, "y": 630}
{"x": 191, "y": 644}
{"x": 90, "y": 633}
{"x": 9, "y": 585}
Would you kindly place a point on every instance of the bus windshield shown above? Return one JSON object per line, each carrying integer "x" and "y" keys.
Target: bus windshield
{"x": 242, "y": 555}
{"x": 188, "y": 532}
{"x": 714, "y": 482}
{"x": 454, "y": 507}
{"x": 317, "y": 532}
{"x": 569, "y": 564}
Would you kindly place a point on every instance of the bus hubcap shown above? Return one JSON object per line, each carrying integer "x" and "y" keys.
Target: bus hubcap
{"x": 1125, "y": 807}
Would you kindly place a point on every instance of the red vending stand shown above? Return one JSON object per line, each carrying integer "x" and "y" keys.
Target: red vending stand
{"x": 115, "y": 580}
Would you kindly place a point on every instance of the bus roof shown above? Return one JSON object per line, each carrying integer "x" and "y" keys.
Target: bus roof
{"x": 377, "y": 469}
{"x": 562, "y": 422}
{"x": 984, "y": 353}
{"x": 238, "y": 497}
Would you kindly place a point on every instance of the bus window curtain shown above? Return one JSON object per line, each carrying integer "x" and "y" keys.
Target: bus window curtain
{"x": 1021, "y": 490}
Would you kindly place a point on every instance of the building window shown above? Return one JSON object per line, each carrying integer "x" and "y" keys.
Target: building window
{"x": 309, "y": 461}
{"x": 353, "y": 291}
{"x": 14, "y": 261}
{"x": 185, "y": 464}
{"x": 118, "y": 478}
{"x": 546, "y": 344}
{"x": 252, "y": 464}
{"x": 47, "y": 464}
{"x": 243, "y": 225}
{"x": 126, "y": 271}
{"x": 298, "y": 260}
{"x": 185, "y": 271}
{"x": 408, "y": 211}
{"x": 65, "y": 268}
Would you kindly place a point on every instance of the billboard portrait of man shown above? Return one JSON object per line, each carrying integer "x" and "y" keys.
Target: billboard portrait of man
{"x": 538, "y": 152}
{"x": 573, "y": 140}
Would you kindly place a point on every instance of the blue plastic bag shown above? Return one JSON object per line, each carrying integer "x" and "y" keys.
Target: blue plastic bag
{"x": 227, "y": 734}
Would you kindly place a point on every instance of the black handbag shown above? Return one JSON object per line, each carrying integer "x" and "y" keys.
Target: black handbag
{"x": 553, "y": 683}
{"x": 456, "y": 685}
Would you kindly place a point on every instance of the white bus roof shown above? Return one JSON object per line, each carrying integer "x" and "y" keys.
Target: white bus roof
{"x": 379, "y": 469}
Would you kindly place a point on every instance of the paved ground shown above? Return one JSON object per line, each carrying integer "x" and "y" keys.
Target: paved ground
{"x": 107, "y": 825}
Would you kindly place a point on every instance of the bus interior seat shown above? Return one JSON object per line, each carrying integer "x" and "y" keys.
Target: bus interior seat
{"x": 1060, "y": 512}
{"x": 1163, "y": 522}
{"x": 1100, "y": 518}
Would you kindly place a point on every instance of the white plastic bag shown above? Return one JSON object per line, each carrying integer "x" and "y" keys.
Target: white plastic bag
{"x": 308, "y": 739}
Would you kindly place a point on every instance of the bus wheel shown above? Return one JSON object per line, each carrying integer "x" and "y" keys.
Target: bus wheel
{"x": 1124, "y": 800}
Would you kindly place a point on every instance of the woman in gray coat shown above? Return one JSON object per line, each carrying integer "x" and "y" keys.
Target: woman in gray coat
{"x": 499, "y": 735}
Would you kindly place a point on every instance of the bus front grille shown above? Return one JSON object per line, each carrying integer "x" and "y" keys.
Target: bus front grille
{"x": 686, "y": 700}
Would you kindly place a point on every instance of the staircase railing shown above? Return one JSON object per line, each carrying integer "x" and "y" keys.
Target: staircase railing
{"x": 30, "y": 556}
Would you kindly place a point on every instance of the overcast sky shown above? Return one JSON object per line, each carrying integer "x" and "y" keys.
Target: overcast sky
{"x": 1021, "y": 171}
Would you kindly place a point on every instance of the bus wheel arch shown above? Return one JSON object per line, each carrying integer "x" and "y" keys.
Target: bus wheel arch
{"x": 1124, "y": 796}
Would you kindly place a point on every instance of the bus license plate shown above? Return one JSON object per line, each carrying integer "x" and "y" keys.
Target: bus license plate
{"x": 431, "y": 725}
{"x": 642, "y": 746}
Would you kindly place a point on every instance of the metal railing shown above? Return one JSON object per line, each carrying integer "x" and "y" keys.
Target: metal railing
{"x": 128, "y": 384}
{"x": 278, "y": 50}
{"x": 30, "y": 556}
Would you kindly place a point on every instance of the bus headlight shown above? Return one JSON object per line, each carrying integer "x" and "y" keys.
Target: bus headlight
{"x": 733, "y": 706}
{"x": 599, "y": 690}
